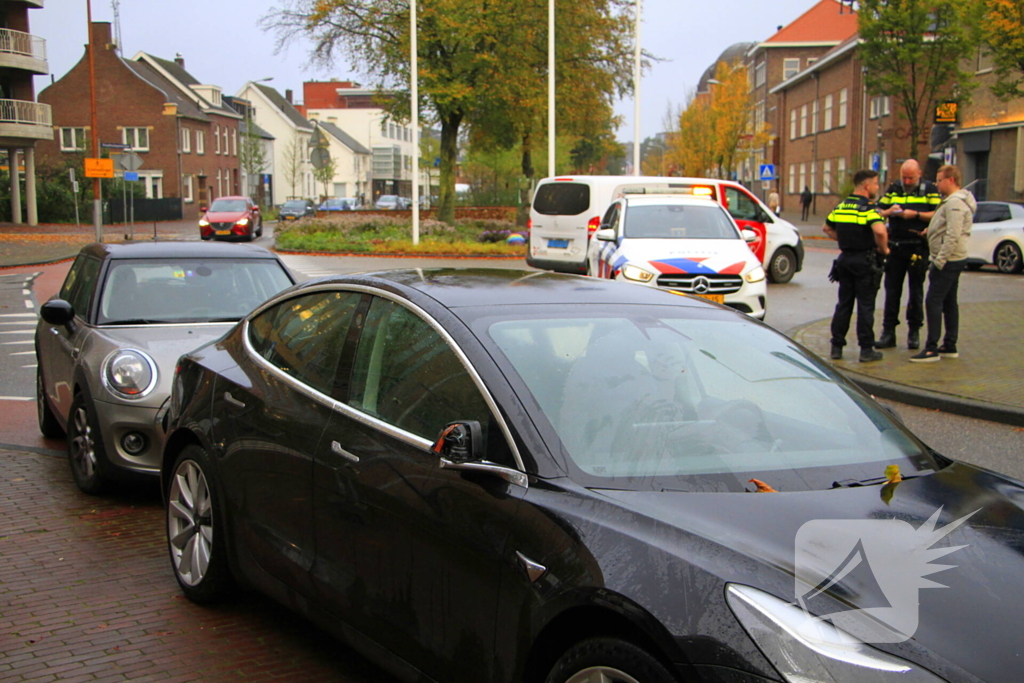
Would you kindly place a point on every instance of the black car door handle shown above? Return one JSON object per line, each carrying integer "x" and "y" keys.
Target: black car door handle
{"x": 232, "y": 400}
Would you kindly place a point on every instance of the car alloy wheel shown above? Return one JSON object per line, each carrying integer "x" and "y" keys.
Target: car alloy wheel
{"x": 193, "y": 533}
{"x": 601, "y": 674}
{"x": 85, "y": 448}
{"x": 1008, "y": 258}
{"x": 608, "y": 660}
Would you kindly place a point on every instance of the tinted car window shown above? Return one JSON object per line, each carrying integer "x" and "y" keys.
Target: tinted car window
{"x": 666, "y": 221}
{"x": 741, "y": 207}
{"x": 408, "y": 376}
{"x": 562, "y": 199}
{"x": 304, "y": 336}
{"x": 992, "y": 213}
{"x": 80, "y": 284}
{"x": 294, "y": 206}
{"x": 187, "y": 290}
{"x": 229, "y": 205}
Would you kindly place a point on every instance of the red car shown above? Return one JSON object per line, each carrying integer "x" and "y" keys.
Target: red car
{"x": 232, "y": 218}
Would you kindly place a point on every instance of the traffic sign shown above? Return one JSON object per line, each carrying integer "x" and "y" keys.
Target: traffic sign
{"x": 767, "y": 172}
{"x": 131, "y": 175}
{"x": 876, "y": 162}
{"x": 114, "y": 145}
{"x": 128, "y": 161}
{"x": 320, "y": 157}
{"x": 99, "y": 168}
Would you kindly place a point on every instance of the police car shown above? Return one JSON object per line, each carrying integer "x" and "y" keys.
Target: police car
{"x": 680, "y": 242}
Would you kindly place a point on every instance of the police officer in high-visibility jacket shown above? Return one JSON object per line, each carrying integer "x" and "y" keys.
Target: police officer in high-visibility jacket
{"x": 909, "y": 205}
{"x": 863, "y": 241}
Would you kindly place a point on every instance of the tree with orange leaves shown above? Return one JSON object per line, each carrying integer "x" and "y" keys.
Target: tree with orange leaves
{"x": 1002, "y": 32}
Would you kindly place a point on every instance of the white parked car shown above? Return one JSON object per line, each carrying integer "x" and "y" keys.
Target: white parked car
{"x": 682, "y": 243}
{"x": 997, "y": 237}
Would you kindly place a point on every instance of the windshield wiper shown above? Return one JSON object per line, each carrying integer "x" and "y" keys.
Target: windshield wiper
{"x": 136, "y": 321}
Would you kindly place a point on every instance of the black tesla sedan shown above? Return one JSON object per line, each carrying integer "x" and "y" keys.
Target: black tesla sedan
{"x": 503, "y": 476}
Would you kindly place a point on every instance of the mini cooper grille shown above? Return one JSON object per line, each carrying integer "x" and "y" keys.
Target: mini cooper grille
{"x": 702, "y": 284}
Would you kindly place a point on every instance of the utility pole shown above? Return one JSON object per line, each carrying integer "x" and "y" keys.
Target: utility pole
{"x": 415, "y": 97}
{"x": 636, "y": 94}
{"x": 97, "y": 206}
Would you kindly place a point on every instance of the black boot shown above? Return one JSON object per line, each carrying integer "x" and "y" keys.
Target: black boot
{"x": 868, "y": 354}
{"x": 887, "y": 340}
{"x": 914, "y": 338}
{"x": 837, "y": 352}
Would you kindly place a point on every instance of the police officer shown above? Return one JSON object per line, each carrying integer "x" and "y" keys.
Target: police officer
{"x": 909, "y": 205}
{"x": 863, "y": 241}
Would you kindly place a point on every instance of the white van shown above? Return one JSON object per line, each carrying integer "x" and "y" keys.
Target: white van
{"x": 567, "y": 211}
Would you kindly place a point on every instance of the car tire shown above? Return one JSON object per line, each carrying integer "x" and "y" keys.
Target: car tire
{"x": 195, "y": 529}
{"x": 259, "y": 233}
{"x": 86, "y": 455}
{"x": 974, "y": 266}
{"x": 608, "y": 659}
{"x": 205, "y": 237}
{"x": 1008, "y": 258}
{"x": 782, "y": 266}
{"x": 49, "y": 426}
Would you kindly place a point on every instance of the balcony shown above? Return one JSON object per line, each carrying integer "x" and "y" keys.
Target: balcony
{"x": 24, "y": 51}
{"x": 21, "y": 121}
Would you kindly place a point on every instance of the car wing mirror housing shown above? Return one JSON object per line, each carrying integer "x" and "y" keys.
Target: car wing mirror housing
{"x": 460, "y": 442}
{"x": 749, "y": 235}
{"x": 58, "y": 312}
{"x": 605, "y": 235}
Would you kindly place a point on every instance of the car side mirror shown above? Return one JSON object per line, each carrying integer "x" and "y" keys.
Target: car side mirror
{"x": 749, "y": 235}
{"x": 58, "y": 312}
{"x": 605, "y": 235}
{"x": 460, "y": 442}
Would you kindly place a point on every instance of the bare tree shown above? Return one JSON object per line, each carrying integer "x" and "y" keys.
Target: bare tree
{"x": 294, "y": 158}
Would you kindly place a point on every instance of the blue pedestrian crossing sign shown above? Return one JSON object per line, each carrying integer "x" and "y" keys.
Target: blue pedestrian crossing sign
{"x": 767, "y": 171}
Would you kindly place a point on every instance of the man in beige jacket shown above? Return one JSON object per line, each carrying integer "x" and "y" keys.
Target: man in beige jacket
{"x": 947, "y": 234}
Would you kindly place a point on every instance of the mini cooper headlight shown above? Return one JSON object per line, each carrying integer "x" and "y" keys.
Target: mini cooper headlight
{"x": 755, "y": 275}
{"x": 781, "y": 630}
{"x": 129, "y": 373}
{"x": 631, "y": 272}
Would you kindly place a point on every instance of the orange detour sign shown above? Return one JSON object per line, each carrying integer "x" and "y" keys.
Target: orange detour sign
{"x": 99, "y": 168}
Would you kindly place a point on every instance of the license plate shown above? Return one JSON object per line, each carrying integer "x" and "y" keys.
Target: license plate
{"x": 558, "y": 244}
{"x": 289, "y": 218}
{"x": 223, "y": 232}
{"x": 717, "y": 298}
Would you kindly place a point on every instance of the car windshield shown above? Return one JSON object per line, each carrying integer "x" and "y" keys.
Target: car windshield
{"x": 149, "y": 291}
{"x": 227, "y": 205}
{"x": 293, "y": 206}
{"x": 648, "y": 399}
{"x": 679, "y": 221}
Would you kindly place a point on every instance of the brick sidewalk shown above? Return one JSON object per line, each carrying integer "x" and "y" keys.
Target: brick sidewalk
{"x": 87, "y": 594}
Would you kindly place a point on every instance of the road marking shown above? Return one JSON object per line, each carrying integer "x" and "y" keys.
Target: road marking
{"x": 22, "y": 353}
{"x": 17, "y": 398}
{"x": 30, "y": 366}
{"x": 27, "y": 341}
{"x": 18, "y": 315}
{"x": 29, "y": 304}
{"x": 15, "y": 322}
{"x": 17, "y": 331}
{"x": 27, "y": 292}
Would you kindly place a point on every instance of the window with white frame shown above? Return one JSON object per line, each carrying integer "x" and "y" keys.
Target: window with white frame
{"x": 803, "y": 120}
{"x": 883, "y": 106}
{"x": 72, "y": 139}
{"x": 803, "y": 177}
{"x": 216, "y": 139}
{"x": 827, "y": 123}
{"x": 790, "y": 68}
{"x": 186, "y": 140}
{"x": 186, "y": 189}
{"x": 152, "y": 183}
{"x": 234, "y": 142}
{"x": 814, "y": 177}
{"x": 220, "y": 185}
{"x": 873, "y": 108}
{"x": 224, "y": 142}
{"x": 792, "y": 124}
{"x": 814, "y": 117}
{"x": 826, "y": 176}
{"x": 883, "y": 168}
{"x": 842, "y": 107}
{"x": 759, "y": 75}
{"x": 200, "y": 142}
{"x": 841, "y": 171}
{"x": 792, "y": 178}
{"x": 384, "y": 128}
{"x": 136, "y": 138}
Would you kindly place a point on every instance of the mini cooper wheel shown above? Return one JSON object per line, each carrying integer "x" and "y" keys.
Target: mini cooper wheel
{"x": 195, "y": 534}
{"x": 608, "y": 660}
{"x": 86, "y": 454}
{"x": 48, "y": 424}
{"x": 783, "y": 265}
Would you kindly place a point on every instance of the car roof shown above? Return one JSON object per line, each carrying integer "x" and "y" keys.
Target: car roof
{"x": 232, "y": 196}
{"x": 463, "y": 287}
{"x": 683, "y": 200}
{"x": 158, "y": 250}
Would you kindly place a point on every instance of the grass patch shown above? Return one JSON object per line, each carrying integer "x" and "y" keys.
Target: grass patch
{"x": 369, "y": 234}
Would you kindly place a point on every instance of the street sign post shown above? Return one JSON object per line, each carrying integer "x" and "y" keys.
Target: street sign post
{"x": 74, "y": 192}
{"x": 767, "y": 172}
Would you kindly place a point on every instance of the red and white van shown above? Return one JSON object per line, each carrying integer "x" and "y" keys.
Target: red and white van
{"x": 567, "y": 211}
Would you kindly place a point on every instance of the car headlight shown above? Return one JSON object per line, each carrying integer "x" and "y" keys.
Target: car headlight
{"x": 806, "y": 650}
{"x": 631, "y": 272}
{"x": 242, "y": 221}
{"x": 129, "y": 373}
{"x": 203, "y": 223}
{"x": 755, "y": 275}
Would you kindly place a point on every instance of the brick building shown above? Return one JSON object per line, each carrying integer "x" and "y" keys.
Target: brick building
{"x": 186, "y": 137}
{"x": 790, "y": 50}
{"x": 23, "y": 121}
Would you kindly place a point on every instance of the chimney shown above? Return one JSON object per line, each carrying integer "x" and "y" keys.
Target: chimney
{"x": 101, "y": 33}
{"x": 288, "y": 96}
{"x": 179, "y": 60}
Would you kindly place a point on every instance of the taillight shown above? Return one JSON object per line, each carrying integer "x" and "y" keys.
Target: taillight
{"x": 592, "y": 225}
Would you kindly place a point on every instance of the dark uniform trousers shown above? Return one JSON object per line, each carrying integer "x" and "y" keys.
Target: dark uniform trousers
{"x": 901, "y": 265}
{"x": 857, "y": 284}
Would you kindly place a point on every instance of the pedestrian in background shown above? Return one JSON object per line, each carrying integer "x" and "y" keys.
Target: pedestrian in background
{"x": 947, "y": 234}
{"x": 805, "y": 202}
{"x": 909, "y": 205}
{"x": 860, "y": 231}
{"x": 773, "y": 201}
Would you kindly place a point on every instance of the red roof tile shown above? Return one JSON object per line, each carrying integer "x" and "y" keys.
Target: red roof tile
{"x": 827, "y": 21}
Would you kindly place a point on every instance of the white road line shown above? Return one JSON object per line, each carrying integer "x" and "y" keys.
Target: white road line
{"x": 30, "y": 366}
{"x": 27, "y": 341}
{"x": 17, "y": 398}
{"x": 27, "y": 292}
{"x": 18, "y": 315}
{"x": 29, "y": 304}
{"x": 15, "y": 322}
{"x": 17, "y": 331}
{"x": 22, "y": 353}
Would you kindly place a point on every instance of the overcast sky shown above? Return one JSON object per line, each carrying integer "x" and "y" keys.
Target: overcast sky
{"x": 223, "y": 45}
